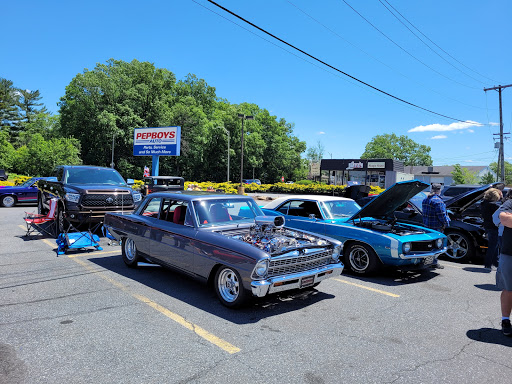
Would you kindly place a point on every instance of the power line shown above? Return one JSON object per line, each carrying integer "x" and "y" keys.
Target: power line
{"x": 379, "y": 61}
{"x": 438, "y": 45}
{"x": 420, "y": 39}
{"x": 330, "y": 66}
{"x": 407, "y": 52}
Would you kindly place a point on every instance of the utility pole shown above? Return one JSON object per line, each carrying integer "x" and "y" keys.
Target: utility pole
{"x": 501, "y": 157}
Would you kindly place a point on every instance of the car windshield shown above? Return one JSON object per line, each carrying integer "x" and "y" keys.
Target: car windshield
{"x": 339, "y": 208}
{"x": 418, "y": 199}
{"x": 29, "y": 182}
{"x": 225, "y": 211}
{"x": 94, "y": 176}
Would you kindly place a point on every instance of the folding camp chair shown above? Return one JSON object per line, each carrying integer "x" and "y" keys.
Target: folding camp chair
{"x": 79, "y": 239}
{"x": 42, "y": 223}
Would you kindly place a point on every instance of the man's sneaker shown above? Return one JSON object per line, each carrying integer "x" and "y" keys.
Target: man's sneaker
{"x": 439, "y": 266}
{"x": 506, "y": 328}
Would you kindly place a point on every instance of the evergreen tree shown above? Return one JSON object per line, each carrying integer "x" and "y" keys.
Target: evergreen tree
{"x": 9, "y": 112}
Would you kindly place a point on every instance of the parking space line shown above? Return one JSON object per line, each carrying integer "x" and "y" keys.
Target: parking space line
{"x": 368, "y": 288}
{"x": 93, "y": 253}
{"x": 222, "y": 344}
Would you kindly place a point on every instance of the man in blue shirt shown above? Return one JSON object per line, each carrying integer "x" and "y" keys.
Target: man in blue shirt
{"x": 434, "y": 211}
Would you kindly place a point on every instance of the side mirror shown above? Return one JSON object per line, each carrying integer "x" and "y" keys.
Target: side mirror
{"x": 130, "y": 181}
{"x": 312, "y": 216}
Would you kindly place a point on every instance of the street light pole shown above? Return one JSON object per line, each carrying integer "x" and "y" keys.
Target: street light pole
{"x": 112, "y": 163}
{"x": 243, "y": 117}
{"x": 229, "y": 139}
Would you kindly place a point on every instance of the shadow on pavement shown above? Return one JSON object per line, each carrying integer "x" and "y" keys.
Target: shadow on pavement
{"x": 477, "y": 270}
{"x": 488, "y": 287}
{"x": 489, "y": 335}
{"x": 393, "y": 278}
{"x": 199, "y": 295}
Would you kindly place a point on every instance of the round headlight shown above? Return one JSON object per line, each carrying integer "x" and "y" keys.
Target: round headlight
{"x": 407, "y": 247}
{"x": 439, "y": 243}
{"x": 261, "y": 268}
{"x": 336, "y": 253}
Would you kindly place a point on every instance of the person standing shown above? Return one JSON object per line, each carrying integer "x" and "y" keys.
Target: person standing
{"x": 504, "y": 272}
{"x": 489, "y": 205}
{"x": 434, "y": 211}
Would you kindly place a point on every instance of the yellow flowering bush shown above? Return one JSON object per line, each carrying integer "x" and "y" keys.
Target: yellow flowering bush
{"x": 19, "y": 179}
{"x": 6, "y": 183}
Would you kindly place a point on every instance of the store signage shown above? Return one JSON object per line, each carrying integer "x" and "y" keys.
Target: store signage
{"x": 376, "y": 164}
{"x": 315, "y": 168}
{"x": 160, "y": 141}
{"x": 354, "y": 165}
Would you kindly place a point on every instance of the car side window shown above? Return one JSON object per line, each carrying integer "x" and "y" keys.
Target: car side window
{"x": 176, "y": 211}
{"x": 284, "y": 208}
{"x": 152, "y": 208}
{"x": 303, "y": 208}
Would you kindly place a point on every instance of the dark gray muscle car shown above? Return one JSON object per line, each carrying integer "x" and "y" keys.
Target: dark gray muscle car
{"x": 225, "y": 240}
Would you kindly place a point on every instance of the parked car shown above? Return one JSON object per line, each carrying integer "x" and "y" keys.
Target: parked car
{"x": 371, "y": 236}
{"x": 451, "y": 191}
{"x": 162, "y": 183}
{"x": 224, "y": 240}
{"x": 251, "y": 181}
{"x": 3, "y": 175}
{"x": 23, "y": 193}
{"x": 85, "y": 193}
{"x": 465, "y": 233}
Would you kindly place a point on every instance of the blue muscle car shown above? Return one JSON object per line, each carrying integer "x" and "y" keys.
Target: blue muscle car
{"x": 24, "y": 193}
{"x": 371, "y": 236}
{"x": 224, "y": 240}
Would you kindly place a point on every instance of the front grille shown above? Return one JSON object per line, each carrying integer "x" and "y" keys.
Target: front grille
{"x": 286, "y": 266}
{"x": 423, "y": 246}
{"x": 107, "y": 200}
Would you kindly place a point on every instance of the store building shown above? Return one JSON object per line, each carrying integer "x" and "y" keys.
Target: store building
{"x": 377, "y": 172}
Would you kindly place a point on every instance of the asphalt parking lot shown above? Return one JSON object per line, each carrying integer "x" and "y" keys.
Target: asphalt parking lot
{"x": 86, "y": 318}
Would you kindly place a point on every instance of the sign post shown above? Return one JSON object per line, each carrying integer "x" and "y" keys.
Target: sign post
{"x": 156, "y": 142}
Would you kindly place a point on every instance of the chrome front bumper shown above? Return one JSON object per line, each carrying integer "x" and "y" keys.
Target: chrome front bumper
{"x": 262, "y": 288}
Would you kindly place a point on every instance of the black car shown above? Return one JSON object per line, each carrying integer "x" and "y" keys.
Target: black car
{"x": 163, "y": 183}
{"x": 465, "y": 234}
{"x": 3, "y": 175}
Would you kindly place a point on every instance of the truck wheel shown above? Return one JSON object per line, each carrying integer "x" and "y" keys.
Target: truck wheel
{"x": 8, "y": 201}
{"x": 40, "y": 206}
{"x": 62, "y": 222}
{"x": 229, "y": 287}
{"x": 130, "y": 254}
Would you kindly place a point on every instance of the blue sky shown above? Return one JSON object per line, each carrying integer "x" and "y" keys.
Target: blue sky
{"x": 48, "y": 43}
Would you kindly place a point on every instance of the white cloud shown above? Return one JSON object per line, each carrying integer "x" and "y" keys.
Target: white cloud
{"x": 471, "y": 130}
{"x": 445, "y": 128}
{"x": 320, "y": 133}
{"x": 438, "y": 137}
{"x": 494, "y": 124}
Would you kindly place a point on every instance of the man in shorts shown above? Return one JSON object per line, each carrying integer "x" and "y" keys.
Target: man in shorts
{"x": 504, "y": 272}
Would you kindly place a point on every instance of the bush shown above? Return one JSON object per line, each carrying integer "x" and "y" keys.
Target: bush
{"x": 305, "y": 182}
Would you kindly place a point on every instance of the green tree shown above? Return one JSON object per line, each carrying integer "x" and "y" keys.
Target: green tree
{"x": 488, "y": 178}
{"x": 315, "y": 153}
{"x": 39, "y": 156}
{"x": 463, "y": 175}
{"x": 6, "y": 151}
{"x": 9, "y": 112}
{"x": 29, "y": 104}
{"x": 508, "y": 171}
{"x": 391, "y": 146}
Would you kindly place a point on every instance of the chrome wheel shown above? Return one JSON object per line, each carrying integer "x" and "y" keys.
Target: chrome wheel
{"x": 130, "y": 250}
{"x": 228, "y": 285}
{"x": 359, "y": 258}
{"x": 8, "y": 201}
{"x": 459, "y": 246}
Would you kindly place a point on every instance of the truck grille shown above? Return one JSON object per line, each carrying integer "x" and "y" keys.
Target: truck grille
{"x": 107, "y": 200}
{"x": 286, "y": 266}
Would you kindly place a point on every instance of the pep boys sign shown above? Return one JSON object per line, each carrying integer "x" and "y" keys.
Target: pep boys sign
{"x": 161, "y": 141}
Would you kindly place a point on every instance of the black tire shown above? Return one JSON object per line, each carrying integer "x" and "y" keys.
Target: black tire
{"x": 131, "y": 256}
{"x": 229, "y": 288}
{"x": 8, "y": 201}
{"x": 361, "y": 259}
{"x": 62, "y": 222}
{"x": 460, "y": 246}
{"x": 40, "y": 207}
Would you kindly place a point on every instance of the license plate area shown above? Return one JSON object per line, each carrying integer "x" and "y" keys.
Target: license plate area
{"x": 307, "y": 281}
{"x": 428, "y": 260}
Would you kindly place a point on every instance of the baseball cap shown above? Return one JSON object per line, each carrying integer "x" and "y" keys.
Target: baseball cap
{"x": 436, "y": 187}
